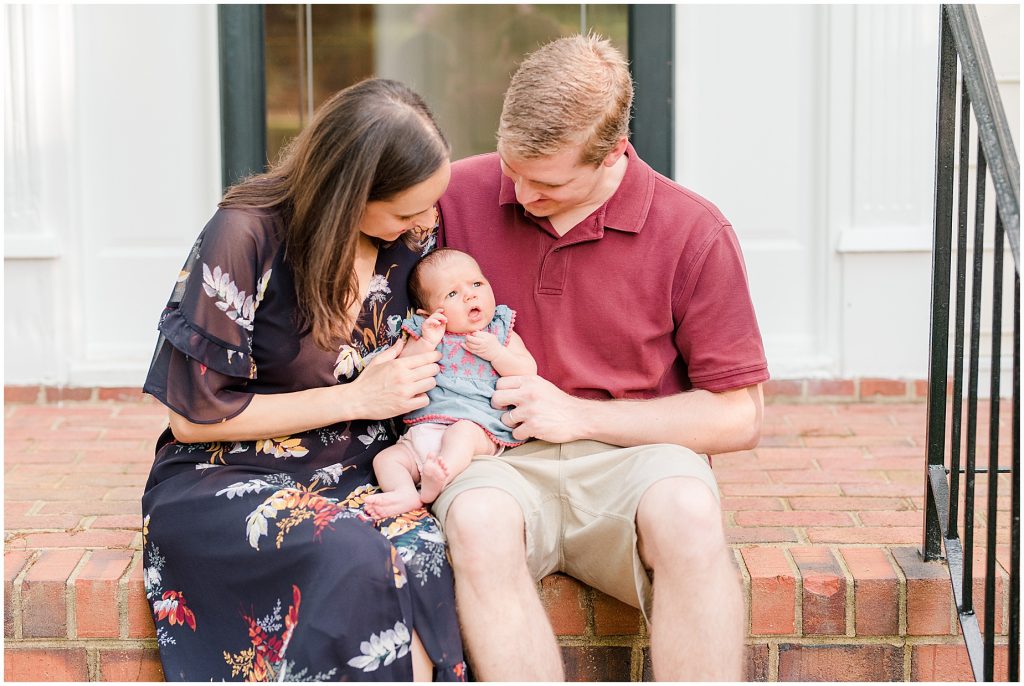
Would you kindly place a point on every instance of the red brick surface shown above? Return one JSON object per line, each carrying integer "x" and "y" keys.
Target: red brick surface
{"x": 951, "y": 663}
{"x": 563, "y": 598}
{"x": 929, "y": 594}
{"x": 756, "y": 667}
{"x": 96, "y": 593}
{"x": 840, "y": 663}
{"x": 597, "y": 663}
{"x": 823, "y": 591}
{"x": 14, "y": 562}
{"x": 783, "y": 389}
{"x": 613, "y": 617}
{"x": 45, "y": 664}
{"x": 870, "y": 388}
{"x": 43, "y": 594}
{"x": 842, "y": 388}
{"x": 140, "y": 612}
{"x": 845, "y": 473}
{"x": 875, "y": 590}
{"x": 772, "y": 591}
{"x": 130, "y": 664}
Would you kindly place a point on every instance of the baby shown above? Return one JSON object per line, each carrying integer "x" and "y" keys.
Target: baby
{"x": 457, "y": 315}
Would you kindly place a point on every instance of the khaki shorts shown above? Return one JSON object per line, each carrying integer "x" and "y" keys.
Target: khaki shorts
{"x": 579, "y": 502}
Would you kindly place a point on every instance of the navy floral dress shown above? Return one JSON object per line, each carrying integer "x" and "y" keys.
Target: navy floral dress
{"x": 259, "y": 562}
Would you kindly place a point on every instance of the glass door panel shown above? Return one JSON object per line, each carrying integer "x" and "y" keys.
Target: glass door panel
{"x": 458, "y": 57}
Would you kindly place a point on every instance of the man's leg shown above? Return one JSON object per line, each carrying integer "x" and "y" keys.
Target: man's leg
{"x": 506, "y": 632}
{"x": 697, "y": 632}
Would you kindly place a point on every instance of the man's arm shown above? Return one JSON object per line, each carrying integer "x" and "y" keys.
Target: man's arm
{"x": 700, "y": 420}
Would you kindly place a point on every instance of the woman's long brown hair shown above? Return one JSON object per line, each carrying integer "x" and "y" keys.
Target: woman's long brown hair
{"x": 368, "y": 142}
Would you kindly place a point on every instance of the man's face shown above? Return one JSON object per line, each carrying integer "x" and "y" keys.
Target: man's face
{"x": 548, "y": 186}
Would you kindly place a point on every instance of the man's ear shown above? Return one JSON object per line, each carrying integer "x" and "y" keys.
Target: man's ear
{"x": 613, "y": 156}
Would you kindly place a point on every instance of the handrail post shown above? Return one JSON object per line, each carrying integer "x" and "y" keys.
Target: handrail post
{"x": 941, "y": 260}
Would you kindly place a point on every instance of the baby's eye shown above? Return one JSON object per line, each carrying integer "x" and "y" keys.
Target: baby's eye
{"x": 451, "y": 294}
{"x": 477, "y": 284}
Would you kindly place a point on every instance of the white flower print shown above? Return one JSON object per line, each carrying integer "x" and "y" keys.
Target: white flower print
{"x": 394, "y": 326}
{"x": 379, "y": 289}
{"x": 241, "y": 488}
{"x": 429, "y": 245}
{"x": 152, "y": 578}
{"x": 383, "y": 648}
{"x": 331, "y": 474}
{"x": 239, "y": 306}
{"x": 374, "y": 432}
{"x": 349, "y": 363}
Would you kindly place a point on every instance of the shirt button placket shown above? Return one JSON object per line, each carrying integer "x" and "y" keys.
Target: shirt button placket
{"x": 553, "y": 271}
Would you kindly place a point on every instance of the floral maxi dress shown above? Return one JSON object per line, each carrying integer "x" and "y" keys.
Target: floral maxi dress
{"x": 259, "y": 562}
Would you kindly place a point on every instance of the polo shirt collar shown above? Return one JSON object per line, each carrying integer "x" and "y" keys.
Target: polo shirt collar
{"x": 627, "y": 209}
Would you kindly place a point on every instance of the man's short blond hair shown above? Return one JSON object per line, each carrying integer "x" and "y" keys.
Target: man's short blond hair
{"x": 574, "y": 90}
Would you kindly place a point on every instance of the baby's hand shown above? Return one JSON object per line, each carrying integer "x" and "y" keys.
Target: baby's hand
{"x": 434, "y": 326}
{"x": 484, "y": 344}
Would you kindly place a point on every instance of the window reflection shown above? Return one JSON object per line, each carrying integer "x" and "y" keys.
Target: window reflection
{"x": 458, "y": 57}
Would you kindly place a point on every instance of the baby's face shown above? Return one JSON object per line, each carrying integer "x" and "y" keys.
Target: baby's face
{"x": 459, "y": 288}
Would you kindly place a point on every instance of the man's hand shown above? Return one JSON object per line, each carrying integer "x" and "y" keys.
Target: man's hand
{"x": 434, "y": 327}
{"x": 483, "y": 344}
{"x": 539, "y": 409}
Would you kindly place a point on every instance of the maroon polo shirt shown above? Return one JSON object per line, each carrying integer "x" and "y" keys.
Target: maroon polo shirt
{"x": 644, "y": 298}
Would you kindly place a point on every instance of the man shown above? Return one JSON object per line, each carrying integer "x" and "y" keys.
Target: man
{"x": 632, "y": 295}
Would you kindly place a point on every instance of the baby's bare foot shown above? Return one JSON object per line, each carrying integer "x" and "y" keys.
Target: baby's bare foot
{"x": 433, "y": 477}
{"x": 391, "y": 503}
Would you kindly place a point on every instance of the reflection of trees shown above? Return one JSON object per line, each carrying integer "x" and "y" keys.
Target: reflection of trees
{"x": 459, "y": 57}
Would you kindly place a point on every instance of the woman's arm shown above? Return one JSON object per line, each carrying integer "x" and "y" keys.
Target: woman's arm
{"x": 388, "y": 387}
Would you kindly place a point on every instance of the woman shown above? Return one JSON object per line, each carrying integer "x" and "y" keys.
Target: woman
{"x": 260, "y": 563}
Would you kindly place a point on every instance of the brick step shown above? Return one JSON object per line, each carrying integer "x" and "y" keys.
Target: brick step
{"x": 823, "y": 516}
{"x": 813, "y": 613}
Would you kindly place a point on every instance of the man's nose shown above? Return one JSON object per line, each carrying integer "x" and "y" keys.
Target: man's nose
{"x": 524, "y": 195}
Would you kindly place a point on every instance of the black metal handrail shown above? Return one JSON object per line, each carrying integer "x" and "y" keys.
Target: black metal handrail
{"x": 961, "y": 43}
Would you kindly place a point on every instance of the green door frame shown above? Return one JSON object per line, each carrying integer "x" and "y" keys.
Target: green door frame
{"x": 243, "y": 87}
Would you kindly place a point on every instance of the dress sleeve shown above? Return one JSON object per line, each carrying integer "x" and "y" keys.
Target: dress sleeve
{"x": 203, "y": 360}
{"x": 502, "y": 322}
{"x": 716, "y": 325}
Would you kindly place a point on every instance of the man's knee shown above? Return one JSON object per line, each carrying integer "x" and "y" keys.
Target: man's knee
{"x": 696, "y": 516}
{"x": 484, "y": 527}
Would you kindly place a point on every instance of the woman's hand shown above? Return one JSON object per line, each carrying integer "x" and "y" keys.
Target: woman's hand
{"x": 392, "y": 385}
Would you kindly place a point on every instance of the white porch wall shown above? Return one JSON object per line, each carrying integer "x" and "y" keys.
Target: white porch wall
{"x": 118, "y": 155}
{"x": 811, "y": 127}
